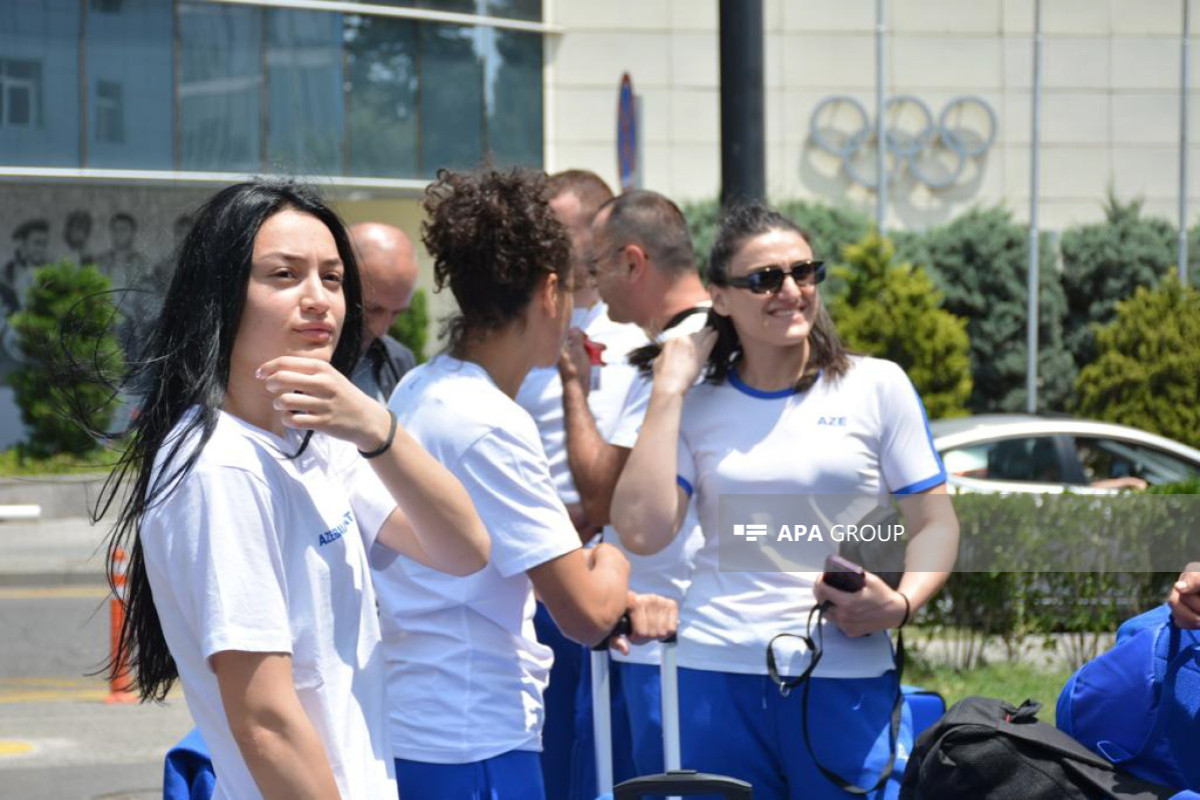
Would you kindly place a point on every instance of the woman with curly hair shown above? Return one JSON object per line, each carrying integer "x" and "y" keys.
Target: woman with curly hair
{"x": 248, "y": 513}
{"x": 465, "y": 670}
{"x": 785, "y": 410}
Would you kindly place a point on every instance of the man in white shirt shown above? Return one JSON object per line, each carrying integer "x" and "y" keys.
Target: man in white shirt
{"x": 644, "y": 269}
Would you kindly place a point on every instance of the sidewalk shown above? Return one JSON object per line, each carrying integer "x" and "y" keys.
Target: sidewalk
{"x": 52, "y": 552}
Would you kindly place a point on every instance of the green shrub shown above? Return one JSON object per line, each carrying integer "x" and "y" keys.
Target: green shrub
{"x": 1147, "y": 371}
{"x": 1105, "y": 263}
{"x": 411, "y": 328}
{"x": 980, "y": 261}
{"x": 65, "y": 330}
{"x": 892, "y": 310}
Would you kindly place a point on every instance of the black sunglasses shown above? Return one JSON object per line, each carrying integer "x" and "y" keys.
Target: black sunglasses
{"x": 770, "y": 280}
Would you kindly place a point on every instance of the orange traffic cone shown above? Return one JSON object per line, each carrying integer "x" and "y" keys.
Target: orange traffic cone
{"x": 119, "y": 687}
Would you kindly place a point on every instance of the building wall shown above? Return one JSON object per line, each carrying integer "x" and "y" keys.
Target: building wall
{"x": 1110, "y": 110}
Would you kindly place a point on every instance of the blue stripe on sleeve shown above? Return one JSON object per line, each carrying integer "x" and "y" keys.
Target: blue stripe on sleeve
{"x": 683, "y": 484}
{"x": 921, "y": 486}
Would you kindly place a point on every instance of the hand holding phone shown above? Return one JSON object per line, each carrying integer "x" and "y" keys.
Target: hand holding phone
{"x": 843, "y": 574}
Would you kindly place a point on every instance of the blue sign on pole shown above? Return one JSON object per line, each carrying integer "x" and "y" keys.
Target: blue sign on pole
{"x": 627, "y": 136}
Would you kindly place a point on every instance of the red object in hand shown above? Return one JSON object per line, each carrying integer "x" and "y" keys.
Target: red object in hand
{"x": 595, "y": 351}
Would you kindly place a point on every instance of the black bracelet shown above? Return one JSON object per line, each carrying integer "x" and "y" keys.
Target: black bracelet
{"x": 907, "y": 610}
{"x": 383, "y": 448}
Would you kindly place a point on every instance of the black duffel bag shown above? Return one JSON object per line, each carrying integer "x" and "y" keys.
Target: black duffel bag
{"x": 987, "y": 749}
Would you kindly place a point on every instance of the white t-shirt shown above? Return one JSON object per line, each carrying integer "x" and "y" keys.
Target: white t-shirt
{"x": 541, "y": 394}
{"x": 256, "y": 552}
{"x": 736, "y": 440}
{"x": 465, "y": 670}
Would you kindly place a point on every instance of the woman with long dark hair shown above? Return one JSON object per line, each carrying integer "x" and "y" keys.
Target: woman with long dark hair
{"x": 465, "y": 670}
{"x": 247, "y": 513}
{"x": 784, "y": 410}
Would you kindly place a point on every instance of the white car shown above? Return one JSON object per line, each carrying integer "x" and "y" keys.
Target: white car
{"x": 1053, "y": 454}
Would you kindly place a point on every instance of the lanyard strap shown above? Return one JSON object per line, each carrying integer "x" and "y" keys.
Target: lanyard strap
{"x": 787, "y": 684}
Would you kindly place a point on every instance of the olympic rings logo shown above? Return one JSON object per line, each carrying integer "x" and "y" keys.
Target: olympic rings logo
{"x": 934, "y": 153}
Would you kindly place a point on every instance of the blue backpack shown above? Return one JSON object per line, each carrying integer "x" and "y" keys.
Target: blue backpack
{"x": 1138, "y": 705}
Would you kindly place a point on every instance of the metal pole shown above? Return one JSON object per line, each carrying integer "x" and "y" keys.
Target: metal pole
{"x": 1184, "y": 91}
{"x": 743, "y": 126}
{"x": 1031, "y": 367}
{"x": 880, "y": 122}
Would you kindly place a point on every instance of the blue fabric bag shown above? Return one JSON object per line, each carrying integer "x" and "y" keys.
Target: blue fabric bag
{"x": 1138, "y": 705}
{"x": 188, "y": 770}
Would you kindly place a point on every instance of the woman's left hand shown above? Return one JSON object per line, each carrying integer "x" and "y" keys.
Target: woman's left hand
{"x": 877, "y": 607}
{"x": 312, "y": 395}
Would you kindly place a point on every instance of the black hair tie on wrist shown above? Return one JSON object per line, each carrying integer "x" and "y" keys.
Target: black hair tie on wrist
{"x": 907, "y": 610}
{"x": 387, "y": 443}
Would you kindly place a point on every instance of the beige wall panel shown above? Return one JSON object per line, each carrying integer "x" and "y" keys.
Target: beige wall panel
{"x": 694, "y": 15}
{"x": 1144, "y": 62}
{"x": 1067, "y": 118}
{"x": 1145, "y": 118}
{"x": 1074, "y": 17}
{"x": 816, "y": 16}
{"x": 695, "y": 117}
{"x": 618, "y": 15}
{"x": 1146, "y": 172}
{"x": 1067, "y": 173}
{"x": 598, "y": 59}
{"x": 1068, "y": 62}
{"x": 695, "y": 61}
{"x": 1133, "y": 17}
{"x": 844, "y": 61}
{"x": 585, "y": 115}
{"x": 655, "y": 119}
{"x": 945, "y": 16}
{"x": 695, "y": 172}
{"x": 945, "y": 62}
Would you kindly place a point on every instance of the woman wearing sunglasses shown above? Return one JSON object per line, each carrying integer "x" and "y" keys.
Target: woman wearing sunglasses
{"x": 784, "y": 410}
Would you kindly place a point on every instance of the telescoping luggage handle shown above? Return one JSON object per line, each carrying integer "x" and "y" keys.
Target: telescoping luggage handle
{"x": 675, "y": 782}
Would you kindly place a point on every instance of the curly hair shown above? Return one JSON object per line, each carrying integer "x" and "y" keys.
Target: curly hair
{"x": 492, "y": 236}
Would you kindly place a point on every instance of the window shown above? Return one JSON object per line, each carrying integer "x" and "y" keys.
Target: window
{"x": 20, "y": 93}
{"x": 107, "y": 6}
{"x": 381, "y": 96}
{"x": 513, "y": 94}
{"x": 1106, "y": 460}
{"x": 451, "y": 97}
{"x": 1034, "y": 459}
{"x": 220, "y": 87}
{"x": 304, "y": 92}
{"x": 110, "y": 113}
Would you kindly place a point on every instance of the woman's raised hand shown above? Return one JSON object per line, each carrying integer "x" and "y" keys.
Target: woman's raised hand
{"x": 312, "y": 395}
{"x": 681, "y": 360}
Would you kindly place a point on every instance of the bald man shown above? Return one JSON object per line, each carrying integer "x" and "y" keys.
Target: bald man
{"x": 388, "y": 265}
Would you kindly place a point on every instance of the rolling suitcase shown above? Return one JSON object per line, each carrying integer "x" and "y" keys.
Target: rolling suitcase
{"x": 675, "y": 782}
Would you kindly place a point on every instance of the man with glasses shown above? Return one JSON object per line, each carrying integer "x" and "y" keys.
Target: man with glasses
{"x": 644, "y": 268}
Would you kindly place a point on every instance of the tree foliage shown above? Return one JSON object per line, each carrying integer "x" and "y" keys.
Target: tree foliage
{"x": 411, "y": 327}
{"x": 892, "y": 310}
{"x": 1105, "y": 263}
{"x": 980, "y": 261}
{"x": 66, "y": 333}
{"x": 1147, "y": 370}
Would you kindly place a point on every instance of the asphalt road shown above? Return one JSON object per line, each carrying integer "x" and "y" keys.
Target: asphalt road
{"x": 59, "y": 740}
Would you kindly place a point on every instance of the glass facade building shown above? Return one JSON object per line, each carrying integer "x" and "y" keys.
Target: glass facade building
{"x": 237, "y": 87}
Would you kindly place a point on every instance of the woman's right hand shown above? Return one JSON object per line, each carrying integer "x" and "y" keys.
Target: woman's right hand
{"x": 681, "y": 360}
{"x": 1185, "y": 597}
